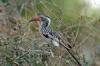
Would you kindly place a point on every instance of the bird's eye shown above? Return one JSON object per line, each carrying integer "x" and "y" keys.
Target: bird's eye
{"x": 43, "y": 19}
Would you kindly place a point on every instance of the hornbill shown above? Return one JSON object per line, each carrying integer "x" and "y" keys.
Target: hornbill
{"x": 47, "y": 32}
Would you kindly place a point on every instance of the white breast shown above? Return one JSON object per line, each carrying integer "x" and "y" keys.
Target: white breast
{"x": 55, "y": 43}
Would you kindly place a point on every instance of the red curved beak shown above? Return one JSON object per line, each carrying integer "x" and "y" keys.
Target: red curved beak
{"x": 35, "y": 18}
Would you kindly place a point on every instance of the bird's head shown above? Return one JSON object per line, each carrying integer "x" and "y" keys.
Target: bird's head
{"x": 40, "y": 18}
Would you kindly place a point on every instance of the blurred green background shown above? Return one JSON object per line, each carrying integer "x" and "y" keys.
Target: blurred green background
{"x": 22, "y": 45}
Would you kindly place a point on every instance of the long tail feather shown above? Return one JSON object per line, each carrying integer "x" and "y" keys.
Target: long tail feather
{"x": 71, "y": 54}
